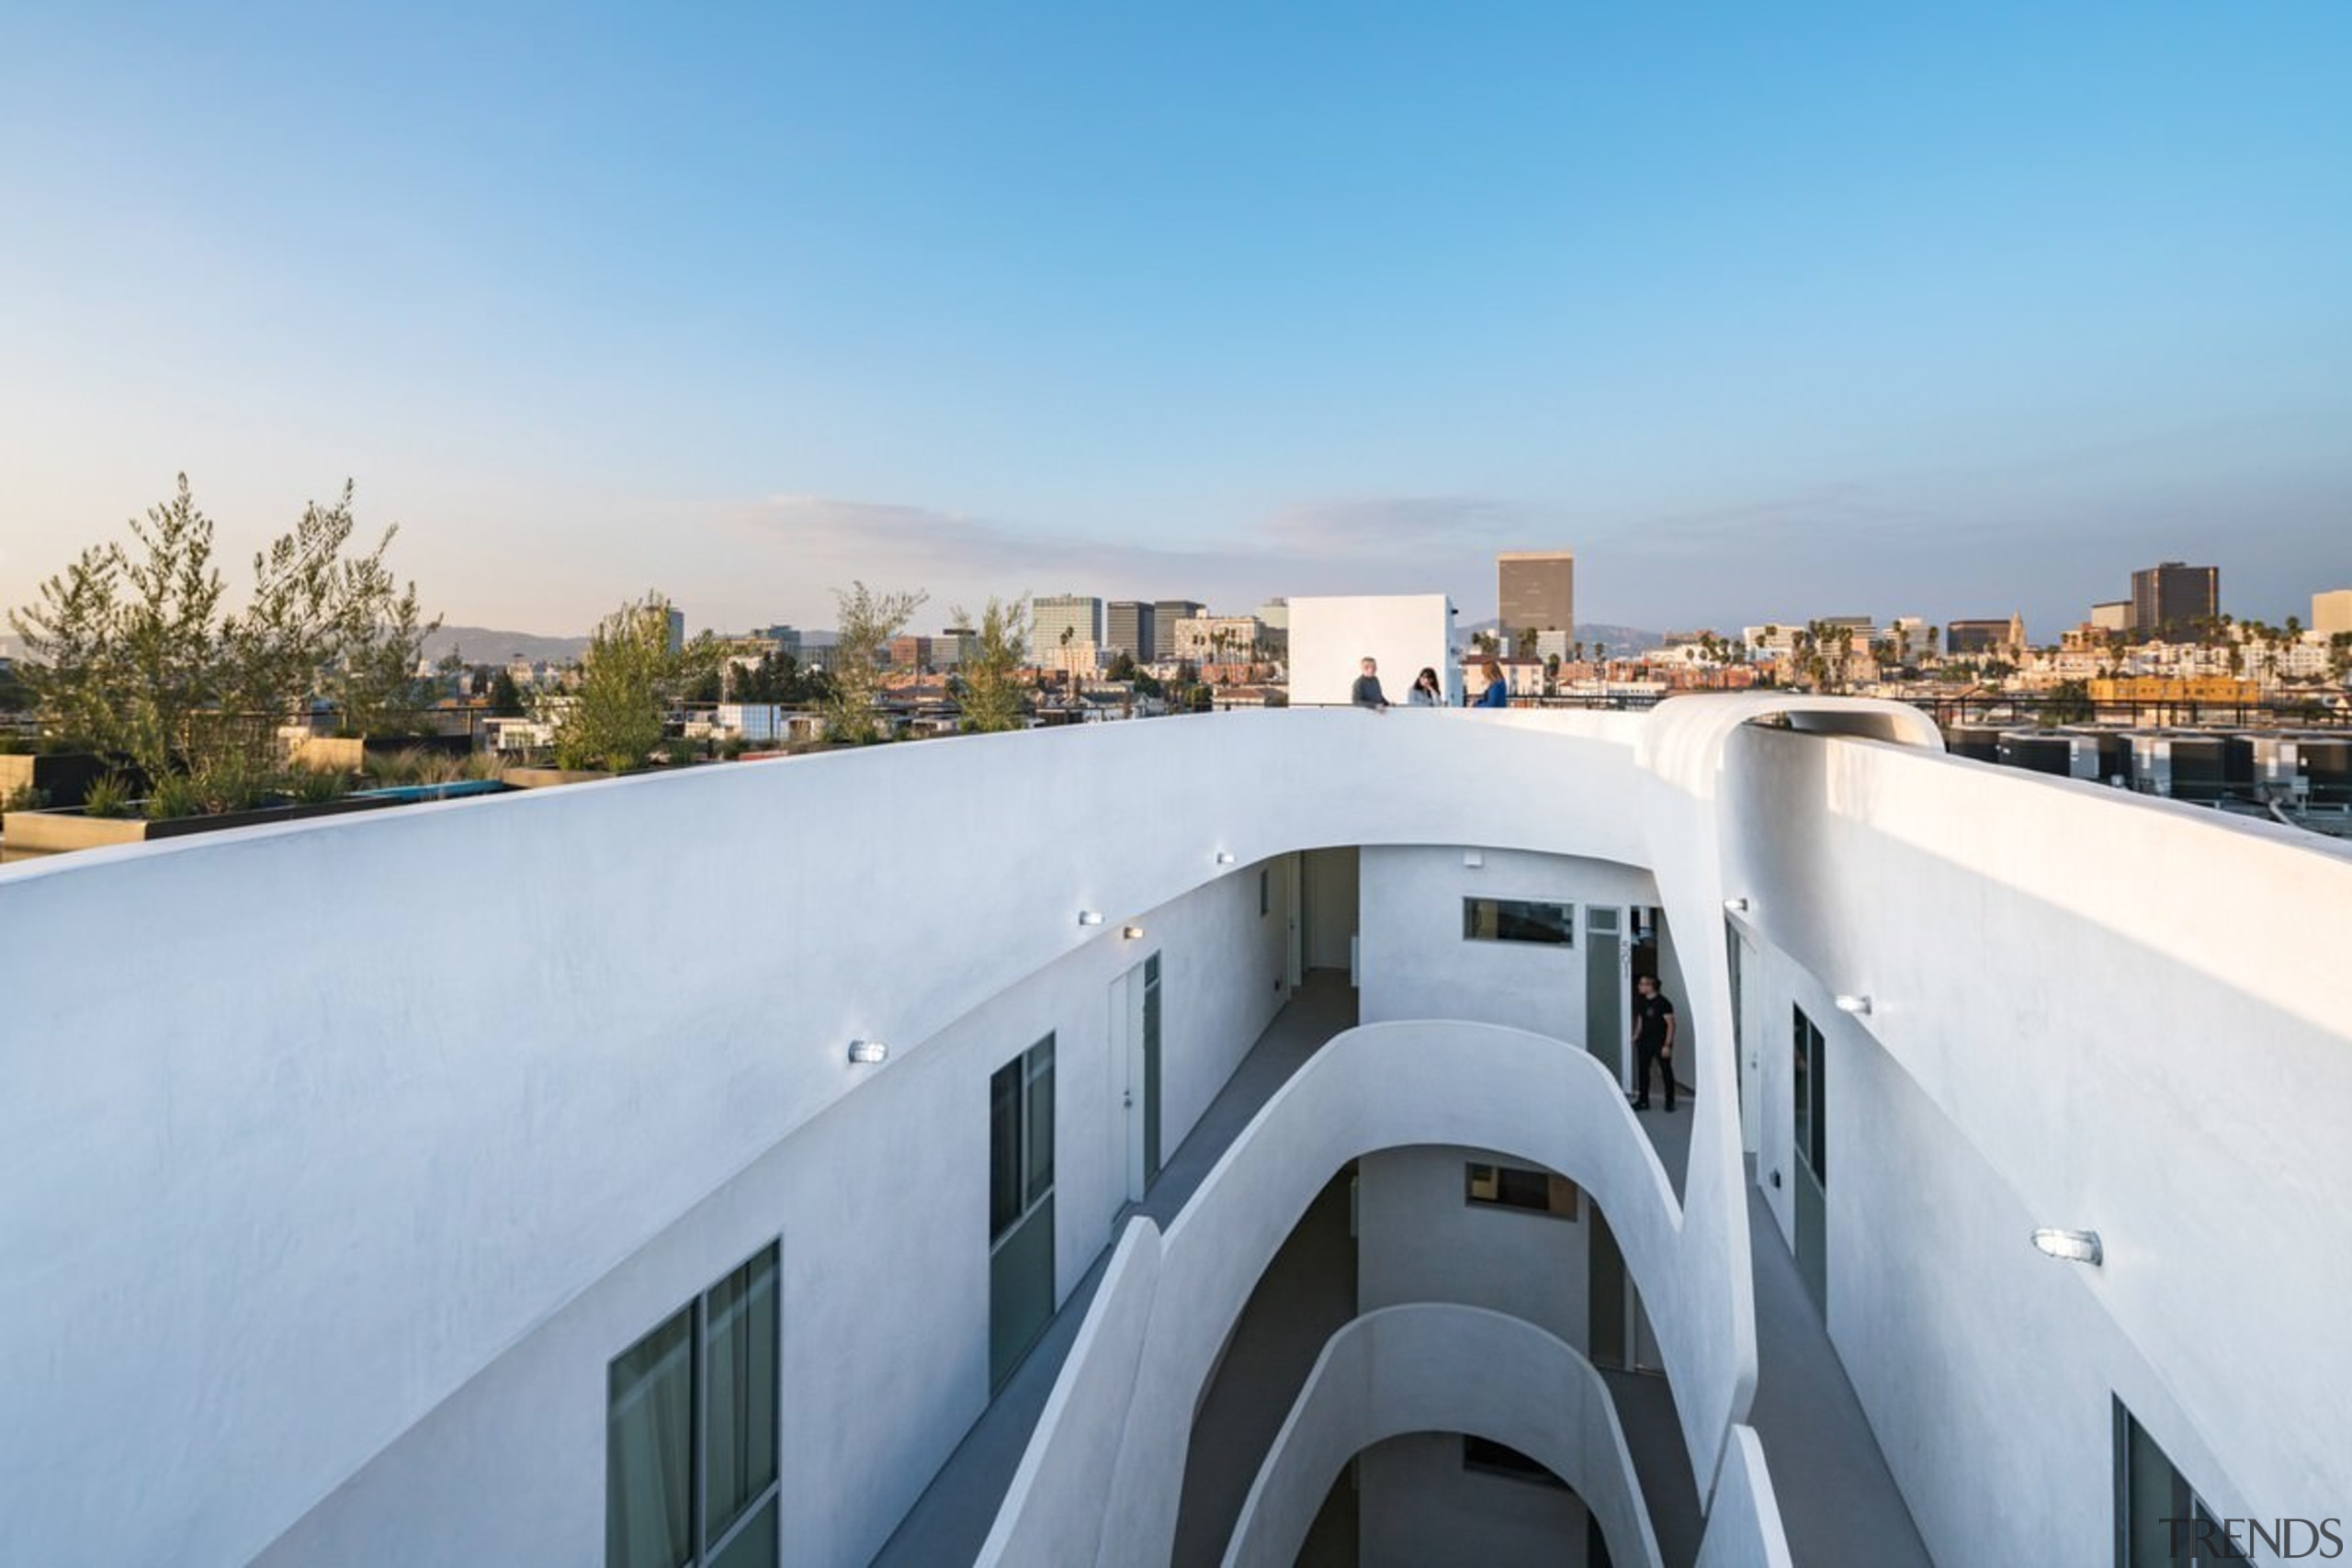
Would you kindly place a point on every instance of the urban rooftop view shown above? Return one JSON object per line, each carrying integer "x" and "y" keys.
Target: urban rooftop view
{"x": 1707, "y": 934}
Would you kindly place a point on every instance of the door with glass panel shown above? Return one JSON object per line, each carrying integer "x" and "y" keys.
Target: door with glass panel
{"x": 1604, "y": 989}
{"x": 1021, "y": 1206}
{"x": 1135, "y": 1048}
{"x": 1810, "y": 1148}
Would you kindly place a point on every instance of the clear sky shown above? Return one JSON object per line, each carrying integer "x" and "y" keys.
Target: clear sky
{"x": 1767, "y": 311}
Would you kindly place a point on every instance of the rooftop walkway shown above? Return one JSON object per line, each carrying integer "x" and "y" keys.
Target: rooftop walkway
{"x": 950, "y": 1520}
{"x": 1838, "y": 1501}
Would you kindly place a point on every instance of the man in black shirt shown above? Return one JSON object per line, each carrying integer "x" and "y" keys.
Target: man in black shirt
{"x": 1367, "y": 692}
{"x": 1653, "y": 1040}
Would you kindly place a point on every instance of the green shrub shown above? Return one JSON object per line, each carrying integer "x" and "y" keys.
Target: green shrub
{"x": 310, "y": 787}
{"x": 25, "y": 797}
{"x": 484, "y": 765}
{"x": 109, "y": 795}
{"x": 173, "y": 796}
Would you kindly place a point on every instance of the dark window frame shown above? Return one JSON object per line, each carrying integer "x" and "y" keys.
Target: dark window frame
{"x": 1489, "y": 1184}
{"x": 1520, "y": 921}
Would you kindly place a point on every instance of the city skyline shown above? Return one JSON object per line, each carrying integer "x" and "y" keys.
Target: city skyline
{"x": 1762, "y": 318}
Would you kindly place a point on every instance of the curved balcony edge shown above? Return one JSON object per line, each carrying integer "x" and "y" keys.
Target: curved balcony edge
{"x": 1438, "y": 1367}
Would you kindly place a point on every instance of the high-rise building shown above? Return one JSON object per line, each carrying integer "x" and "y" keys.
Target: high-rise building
{"x": 677, "y": 625}
{"x": 1165, "y": 613}
{"x": 1535, "y": 591}
{"x": 1132, "y": 628}
{"x": 1052, "y": 614}
{"x": 894, "y": 1198}
{"x": 2111, "y": 615}
{"x": 2169, "y": 599}
{"x": 2332, "y": 612}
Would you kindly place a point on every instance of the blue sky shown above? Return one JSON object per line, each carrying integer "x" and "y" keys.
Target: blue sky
{"x": 1767, "y": 312}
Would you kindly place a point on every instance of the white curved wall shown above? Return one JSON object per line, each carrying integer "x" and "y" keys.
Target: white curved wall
{"x": 310, "y": 1124}
{"x": 1433, "y": 1367}
{"x": 1377, "y": 1086}
{"x": 2087, "y": 1011}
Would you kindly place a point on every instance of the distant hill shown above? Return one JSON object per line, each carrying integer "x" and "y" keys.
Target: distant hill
{"x": 484, "y": 645}
{"x": 1623, "y": 641}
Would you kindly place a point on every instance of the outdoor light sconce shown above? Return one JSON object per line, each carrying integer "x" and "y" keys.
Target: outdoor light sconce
{"x": 868, "y": 1053}
{"x": 1133, "y": 933}
{"x": 1472, "y": 859}
{"x": 1090, "y": 917}
{"x": 1860, "y": 1005}
{"x": 2071, "y": 1247}
{"x": 1224, "y": 857}
{"x": 1736, "y": 905}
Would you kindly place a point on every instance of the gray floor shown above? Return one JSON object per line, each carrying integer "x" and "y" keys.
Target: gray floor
{"x": 952, "y": 1518}
{"x": 1839, "y": 1500}
{"x": 1306, "y": 1295}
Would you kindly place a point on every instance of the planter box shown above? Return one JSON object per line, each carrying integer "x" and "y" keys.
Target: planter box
{"x": 546, "y": 778}
{"x": 349, "y": 754}
{"x": 24, "y": 835}
{"x": 62, "y": 775}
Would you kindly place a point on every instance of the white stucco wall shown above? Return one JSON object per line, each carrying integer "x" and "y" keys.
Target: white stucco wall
{"x": 339, "y": 1108}
{"x": 2088, "y": 1010}
{"x": 1331, "y": 634}
{"x": 1418, "y": 1240}
{"x": 885, "y": 1250}
{"x": 1419, "y": 965}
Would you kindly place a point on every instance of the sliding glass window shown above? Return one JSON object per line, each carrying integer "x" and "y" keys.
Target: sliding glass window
{"x": 690, "y": 1458}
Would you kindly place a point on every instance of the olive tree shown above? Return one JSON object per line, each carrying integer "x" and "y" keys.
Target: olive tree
{"x": 991, "y": 676}
{"x": 629, "y": 679}
{"x": 868, "y": 622}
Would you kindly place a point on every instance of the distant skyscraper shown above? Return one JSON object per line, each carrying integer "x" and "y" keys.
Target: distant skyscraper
{"x": 1053, "y": 614}
{"x": 2332, "y": 612}
{"x": 2169, "y": 599}
{"x": 1535, "y": 589}
{"x": 2113, "y": 614}
{"x": 1164, "y": 616}
{"x": 1132, "y": 629}
{"x": 677, "y": 630}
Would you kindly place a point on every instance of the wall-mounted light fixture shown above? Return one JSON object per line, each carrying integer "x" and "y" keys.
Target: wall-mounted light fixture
{"x": 1736, "y": 905}
{"x": 1224, "y": 857}
{"x": 1090, "y": 917}
{"x": 1472, "y": 859}
{"x": 1859, "y": 1005}
{"x": 2073, "y": 1246}
{"x": 868, "y": 1053}
{"x": 1133, "y": 933}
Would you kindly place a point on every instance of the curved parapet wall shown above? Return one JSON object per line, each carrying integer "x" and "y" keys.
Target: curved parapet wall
{"x": 1377, "y": 1086}
{"x": 412, "y": 1080}
{"x": 1432, "y": 1367}
{"x": 1744, "y": 1526}
{"x": 418, "y": 1078}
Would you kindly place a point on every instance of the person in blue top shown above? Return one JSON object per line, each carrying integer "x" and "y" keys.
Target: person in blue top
{"x": 1498, "y": 691}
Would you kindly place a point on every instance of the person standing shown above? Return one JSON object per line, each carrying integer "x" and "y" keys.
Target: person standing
{"x": 1653, "y": 1040}
{"x": 1498, "y": 691}
{"x": 1367, "y": 694}
{"x": 1426, "y": 691}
